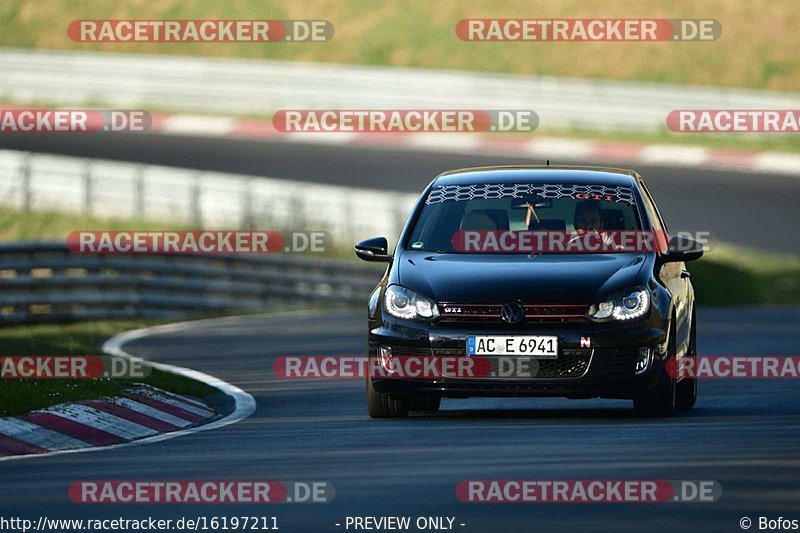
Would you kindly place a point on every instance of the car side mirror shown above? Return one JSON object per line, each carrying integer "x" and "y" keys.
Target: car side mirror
{"x": 682, "y": 248}
{"x": 375, "y": 249}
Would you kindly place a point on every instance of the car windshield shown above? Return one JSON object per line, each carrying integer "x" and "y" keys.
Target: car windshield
{"x": 451, "y": 210}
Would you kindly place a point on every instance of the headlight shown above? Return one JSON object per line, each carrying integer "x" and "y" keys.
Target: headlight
{"x": 625, "y": 306}
{"x": 400, "y": 302}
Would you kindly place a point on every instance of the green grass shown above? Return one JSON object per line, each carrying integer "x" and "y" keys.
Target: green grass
{"x": 39, "y": 225}
{"x": 758, "y": 47}
{"x": 738, "y": 276}
{"x": 21, "y": 396}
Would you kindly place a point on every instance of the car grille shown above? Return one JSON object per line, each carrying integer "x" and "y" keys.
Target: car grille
{"x": 615, "y": 363}
{"x": 571, "y": 362}
{"x": 455, "y": 312}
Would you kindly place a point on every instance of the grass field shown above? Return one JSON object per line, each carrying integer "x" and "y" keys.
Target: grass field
{"x": 53, "y": 225}
{"x": 23, "y": 395}
{"x": 758, "y": 47}
{"x": 737, "y": 276}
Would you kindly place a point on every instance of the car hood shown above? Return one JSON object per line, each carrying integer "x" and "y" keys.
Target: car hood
{"x": 546, "y": 278}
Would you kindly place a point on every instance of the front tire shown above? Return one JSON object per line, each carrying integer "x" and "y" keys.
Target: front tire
{"x": 381, "y": 405}
{"x": 686, "y": 391}
{"x": 660, "y": 399}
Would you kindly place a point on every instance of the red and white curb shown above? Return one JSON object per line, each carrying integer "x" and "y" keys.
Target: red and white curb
{"x": 143, "y": 412}
{"x": 143, "y": 415}
{"x": 553, "y": 148}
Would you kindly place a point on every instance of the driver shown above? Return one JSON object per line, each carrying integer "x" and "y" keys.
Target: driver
{"x": 588, "y": 216}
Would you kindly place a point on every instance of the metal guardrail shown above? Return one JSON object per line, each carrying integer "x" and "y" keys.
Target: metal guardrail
{"x": 46, "y": 282}
{"x": 211, "y": 85}
{"x": 197, "y": 199}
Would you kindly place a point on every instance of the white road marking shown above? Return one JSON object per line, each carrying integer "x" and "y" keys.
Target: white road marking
{"x": 777, "y": 162}
{"x": 437, "y": 142}
{"x": 198, "y": 125}
{"x": 556, "y": 149}
{"x": 673, "y": 154}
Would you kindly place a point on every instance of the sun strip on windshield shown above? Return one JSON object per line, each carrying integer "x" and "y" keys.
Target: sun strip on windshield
{"x": 463, "y": 193}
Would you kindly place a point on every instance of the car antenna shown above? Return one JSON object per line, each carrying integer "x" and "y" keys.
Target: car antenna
{"x": 548, "y": 162}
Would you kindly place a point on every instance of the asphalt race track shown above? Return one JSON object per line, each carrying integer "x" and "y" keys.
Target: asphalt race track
{"x": 743, "y": 434}
{"x": 736, "y": 207}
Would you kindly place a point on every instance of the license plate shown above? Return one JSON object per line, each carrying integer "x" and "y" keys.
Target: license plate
{"x": 543, "y": 346}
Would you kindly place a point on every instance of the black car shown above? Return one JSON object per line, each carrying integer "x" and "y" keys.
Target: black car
{"x": 589, "y": 323}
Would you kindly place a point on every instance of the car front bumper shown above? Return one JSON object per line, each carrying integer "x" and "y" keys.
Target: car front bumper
{"x": 594, "y": 360}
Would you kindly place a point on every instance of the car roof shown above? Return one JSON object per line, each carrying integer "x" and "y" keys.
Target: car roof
{"x": 538, "y": 174}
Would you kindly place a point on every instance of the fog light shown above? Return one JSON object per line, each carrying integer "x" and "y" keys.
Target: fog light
{"x": 385, "y": 357}
{"x": 644, "y": 360}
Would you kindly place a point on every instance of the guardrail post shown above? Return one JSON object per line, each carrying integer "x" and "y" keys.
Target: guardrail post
{"x": 298, "y": 210}
{"x": 87, "y": 187}
{"x": 247, "y": 205}
{"x": 25, "y": 172}
{"x": 138, "y": 200}
{"x": 195, "y": 194}
{"x": 347, "y": 219}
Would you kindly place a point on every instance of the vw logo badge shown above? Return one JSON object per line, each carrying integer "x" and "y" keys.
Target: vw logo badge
{"x": 512, "y": 312}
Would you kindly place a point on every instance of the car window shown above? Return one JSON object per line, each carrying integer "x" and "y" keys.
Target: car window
{"x": 652, "y": 209}
{"x": 520, "y": 207}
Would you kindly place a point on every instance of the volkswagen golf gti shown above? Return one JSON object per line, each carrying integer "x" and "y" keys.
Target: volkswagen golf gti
{"x": 532, "y": 281}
